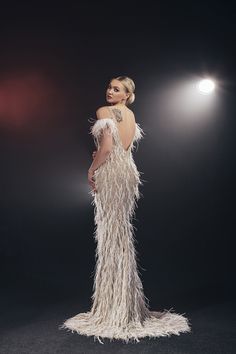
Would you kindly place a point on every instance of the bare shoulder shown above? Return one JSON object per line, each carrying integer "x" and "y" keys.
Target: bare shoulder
{"x": 132, "y": 115}
{"x": 130, "y": 112}
{"x": 102, "y": 112}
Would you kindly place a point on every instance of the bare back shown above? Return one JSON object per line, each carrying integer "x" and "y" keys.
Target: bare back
{"x": 125, "y": 123}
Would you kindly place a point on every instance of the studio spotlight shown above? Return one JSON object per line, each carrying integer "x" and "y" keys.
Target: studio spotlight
{"x": 206, "y": 86}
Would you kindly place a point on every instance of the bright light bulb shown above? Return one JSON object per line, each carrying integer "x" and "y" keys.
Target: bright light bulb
{"x": 206, "y": 86}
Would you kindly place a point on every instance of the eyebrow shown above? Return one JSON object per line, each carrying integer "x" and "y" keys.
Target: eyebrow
{"x": 113, "y": 86}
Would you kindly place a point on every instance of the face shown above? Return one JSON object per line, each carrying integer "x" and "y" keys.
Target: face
{"x": 116, "y": 93}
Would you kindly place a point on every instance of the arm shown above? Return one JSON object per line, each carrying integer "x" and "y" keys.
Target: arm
{"x": 105, "y": 144}
{"x": 99, "y": 159}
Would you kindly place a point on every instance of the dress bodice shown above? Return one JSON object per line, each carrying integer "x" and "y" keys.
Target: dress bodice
{"x": 110, "y": 123}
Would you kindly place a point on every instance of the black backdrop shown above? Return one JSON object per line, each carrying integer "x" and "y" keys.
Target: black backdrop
{"x": 55, "y": 62}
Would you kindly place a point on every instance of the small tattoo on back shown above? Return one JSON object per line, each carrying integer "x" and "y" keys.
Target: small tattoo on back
{"x": 117, "y": 114}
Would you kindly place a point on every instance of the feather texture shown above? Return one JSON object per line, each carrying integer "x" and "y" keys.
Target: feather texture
{"x": 119, "y": 310}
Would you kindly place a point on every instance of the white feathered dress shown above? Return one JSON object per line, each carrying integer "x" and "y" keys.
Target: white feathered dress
{"x": 120, "y": 310}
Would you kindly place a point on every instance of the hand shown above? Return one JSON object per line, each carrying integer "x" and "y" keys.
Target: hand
{"x": 94, "y": 154}
{"x": 91, "y": 180}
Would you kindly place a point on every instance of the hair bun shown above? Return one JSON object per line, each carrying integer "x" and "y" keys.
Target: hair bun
{"x": 131, "y": 98}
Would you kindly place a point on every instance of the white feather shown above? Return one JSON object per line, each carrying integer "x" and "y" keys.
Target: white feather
{"x": 119, "y": 310}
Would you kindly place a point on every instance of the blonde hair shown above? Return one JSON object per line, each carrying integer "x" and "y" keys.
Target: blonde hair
{"x": 129, "y": 86}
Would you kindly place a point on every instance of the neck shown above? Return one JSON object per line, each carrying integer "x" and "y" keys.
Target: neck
{"x": 118, "y": 104}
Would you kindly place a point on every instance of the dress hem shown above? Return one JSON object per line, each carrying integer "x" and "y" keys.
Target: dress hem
{"x": 159, "y": 324}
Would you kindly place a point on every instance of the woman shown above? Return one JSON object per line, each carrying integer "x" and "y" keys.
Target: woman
{"x": 120, "y": 309}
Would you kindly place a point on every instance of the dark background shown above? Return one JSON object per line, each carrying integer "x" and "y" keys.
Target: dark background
{"x": 56, "y": 60}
